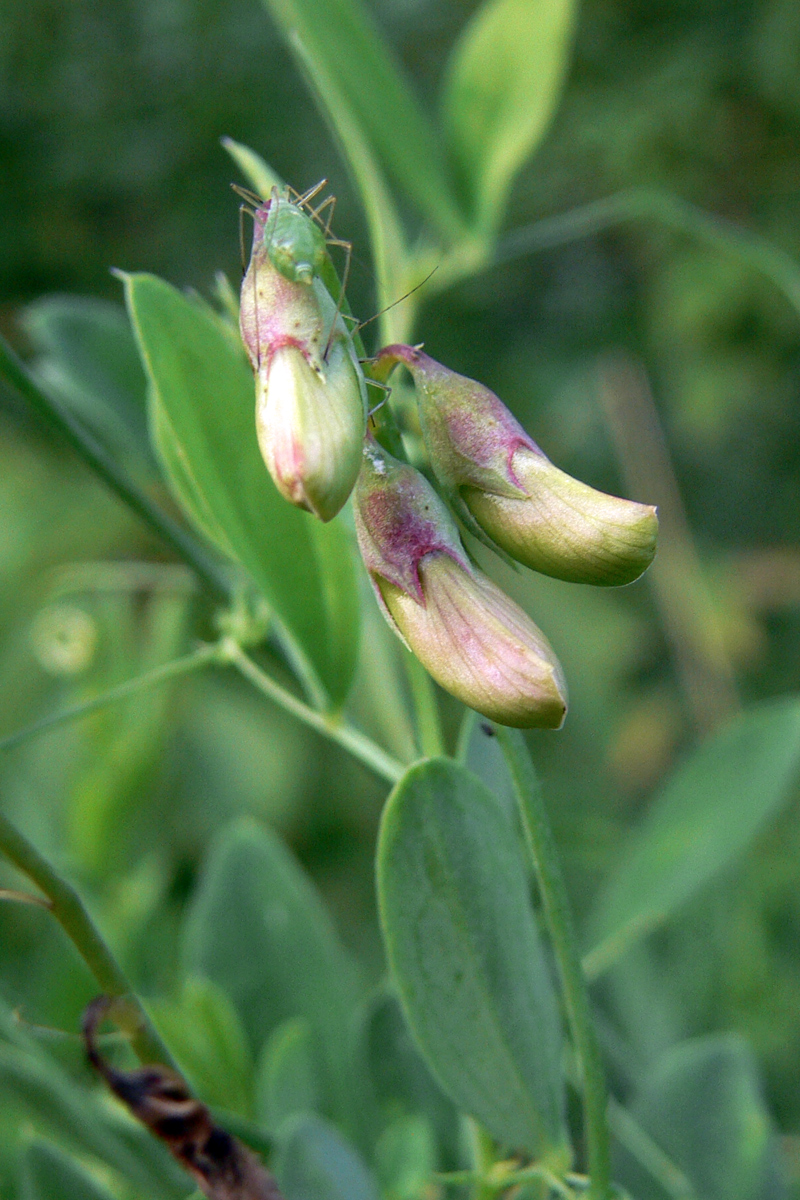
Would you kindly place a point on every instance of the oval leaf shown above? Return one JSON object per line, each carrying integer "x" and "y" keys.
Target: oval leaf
{"x": 503, "y": 84}
{"x": 400, "y": 1077}
{"x": 710, "y": 810}
{"x": 258, "y": 929}
{"x": 202, "y": 404}
{"x": 287, "y": 1082}
{"x": 465, "y": 954}
{"x": 702, "y": 1106}
{"x": 314, "y": 1162}
{"x": 203, "y": 1031}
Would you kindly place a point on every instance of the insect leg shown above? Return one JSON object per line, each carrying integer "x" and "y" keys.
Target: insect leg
{"x": 251, "y": 197}
{"x": 330, "y": 204}
{"x": 345, "y": 275}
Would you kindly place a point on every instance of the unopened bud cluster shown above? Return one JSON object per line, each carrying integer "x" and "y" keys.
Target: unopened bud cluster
{"x": 311, "y": 418}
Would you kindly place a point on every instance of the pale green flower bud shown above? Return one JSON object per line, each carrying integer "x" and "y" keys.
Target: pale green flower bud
{"x": 310, "y": 427}
{"x": 475, "y": 641}
{"x": 311, "y": 398}
{"x": 508, "y": 492}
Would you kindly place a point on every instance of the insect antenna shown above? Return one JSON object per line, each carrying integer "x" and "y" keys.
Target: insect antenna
{"x": 310, "y": 194}
{"x": 394, "y": 303}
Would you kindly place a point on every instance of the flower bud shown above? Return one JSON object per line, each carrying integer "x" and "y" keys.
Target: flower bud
{"x": 475, "y": 641}
{"x": 511, "y": 496}
{"x": 311, "y": 398}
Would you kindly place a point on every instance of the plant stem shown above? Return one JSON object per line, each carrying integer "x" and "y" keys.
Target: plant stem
{"x": 337, "y": 730}
{"x": 179, "y": 666}
{"x": 544, "y": 855}
{"x": 59, "y": 418}
{"x": 429, "y": 725}
{"x": 672, "y": 211}
{"x": 67, "y": 907}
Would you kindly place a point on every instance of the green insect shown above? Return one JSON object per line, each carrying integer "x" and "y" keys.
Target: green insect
{"x": 293, "y": 232}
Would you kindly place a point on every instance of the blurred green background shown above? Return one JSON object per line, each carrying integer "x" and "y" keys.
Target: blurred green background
{"x": 110, "y": 118}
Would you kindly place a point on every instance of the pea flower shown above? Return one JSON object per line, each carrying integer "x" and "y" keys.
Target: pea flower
{"x": 311, "y": 399}
{"x": 510, "y": 495}
{"x": 475, "y": 641}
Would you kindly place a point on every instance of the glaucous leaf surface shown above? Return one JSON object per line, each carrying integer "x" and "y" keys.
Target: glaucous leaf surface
{"x": 258, "y": 928}
{"x": 702, "y": 1106}
{"x": 706, "y": 815}
{"x": 399, "y": 1075}
{"x": 202, "y": 407}
{"x": 466, "y": 957}
{"x": 314, "y": 1162}
{"x": 479, "y": 751}
{"x": 503, "y": 83}
{"x": 287, "y": 1080}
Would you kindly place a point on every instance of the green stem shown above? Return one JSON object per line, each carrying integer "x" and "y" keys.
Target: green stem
{"x": 59, "y": 418}
{"x": 67, "y": 907}
{"x": 179, "y": 666}
{"x": 336, "y": 730}
{"x": 677, "y": 214}
{"x": 544, "y": 855}
{"x": 426, "y": 709}
{"x": 483, "y": 1154}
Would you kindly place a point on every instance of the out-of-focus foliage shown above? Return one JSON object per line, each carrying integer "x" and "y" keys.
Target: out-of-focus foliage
{"x": 110, "y": 115}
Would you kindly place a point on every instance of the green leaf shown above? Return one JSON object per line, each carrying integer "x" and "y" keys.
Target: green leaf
{"x": 49, "y": 1174}
{"x": 256, "y": 171}
{"x": 314, "y": 1162}
{"x": 288, "y": 1077}
{"x": 203, "y": 1031}
{"x": 56, "y": 1106}
{"x": 405, "y": 1158}
{"x": 258, "y": 928}
{"x": 86, "y": 355}
{"x": 707, "y": 814}
{"x": 202, "y": 404}
{"x": 400, "y": 1077}
{"x": 357, "y": 66}
{"x": 389, "y": 253}
{"x": 466, "y": 957}
{"x": 702, "y": 1107}
{"x": 480, "y": 752}
{"x": 504, "y": 81}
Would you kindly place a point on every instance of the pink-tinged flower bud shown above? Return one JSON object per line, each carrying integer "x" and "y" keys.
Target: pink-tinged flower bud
{"x": 475, "y": 641}
{"x": 510, "y": 495}
{"x": 311, "y": 398}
